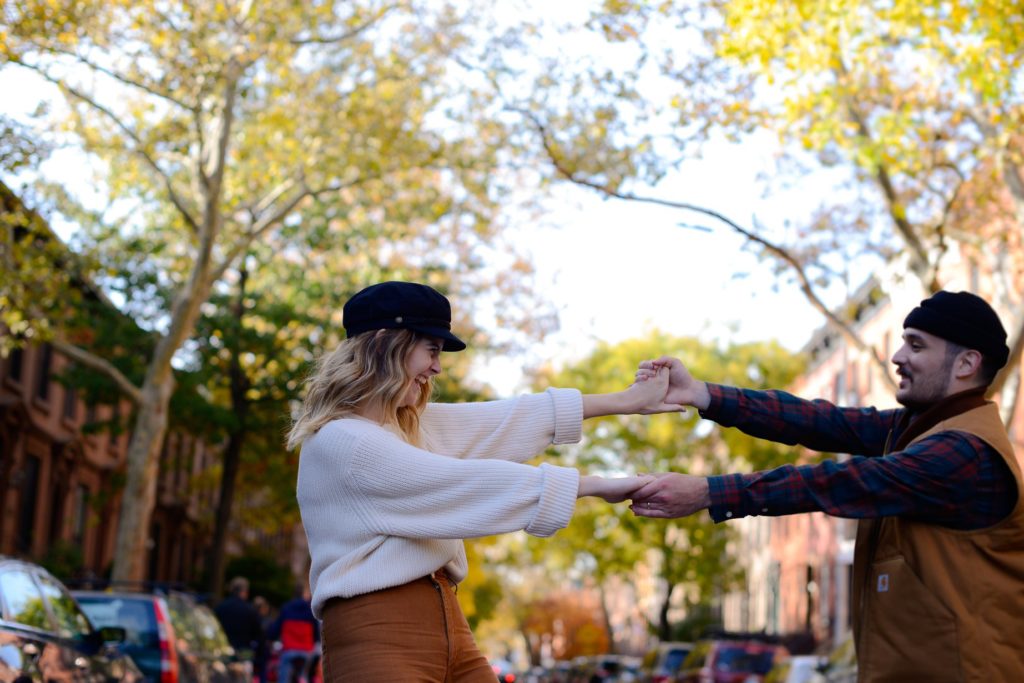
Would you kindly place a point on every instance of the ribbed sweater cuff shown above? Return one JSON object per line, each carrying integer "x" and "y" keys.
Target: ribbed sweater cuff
{"x": 557, "y": 500}
{"x": 568, "y": 415}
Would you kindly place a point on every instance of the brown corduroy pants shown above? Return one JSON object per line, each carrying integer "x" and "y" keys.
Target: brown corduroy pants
{"x": 413, "y": 633}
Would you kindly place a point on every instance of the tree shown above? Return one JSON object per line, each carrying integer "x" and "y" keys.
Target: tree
{"x": 217, "y": 127}
{"x": 911, "y": 107}
{"x": 689, "y": 554}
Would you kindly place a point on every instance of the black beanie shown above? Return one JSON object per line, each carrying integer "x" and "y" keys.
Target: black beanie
{"x": 965, "y": 319}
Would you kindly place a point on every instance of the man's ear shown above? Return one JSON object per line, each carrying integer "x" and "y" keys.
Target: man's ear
{"x": 967, "y": 364}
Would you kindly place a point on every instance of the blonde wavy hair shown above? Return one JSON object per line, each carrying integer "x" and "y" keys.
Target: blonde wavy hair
{"x": 368, "y": 369}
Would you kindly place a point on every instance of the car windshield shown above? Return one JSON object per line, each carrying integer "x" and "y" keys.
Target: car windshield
{"x": 24, "y": 600}
{"x": 742, "y": 660}
{"x": 673, "y": 658}
{"x": 71, "y": 623}
{"x": 134, "y": 616}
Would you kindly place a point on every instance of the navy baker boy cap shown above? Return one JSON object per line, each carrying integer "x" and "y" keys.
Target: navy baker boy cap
{"x": 962, "y": 318}
{"x": 401, "y": 305}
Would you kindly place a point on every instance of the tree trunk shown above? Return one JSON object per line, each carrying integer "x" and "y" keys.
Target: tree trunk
{"x": 664, "y": 633}
{"x": 232, "y": 452}
{"x": 606, "y": 618}
{"x": 151, "y": 426}
{"x": 218, "y": 551}
{"x": 139, "y": 497}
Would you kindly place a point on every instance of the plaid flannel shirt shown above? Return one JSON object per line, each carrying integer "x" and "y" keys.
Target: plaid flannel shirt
{"x": 951, "y": 478}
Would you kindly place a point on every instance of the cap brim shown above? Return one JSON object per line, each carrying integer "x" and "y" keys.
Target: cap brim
{"x": 451, "y": 342}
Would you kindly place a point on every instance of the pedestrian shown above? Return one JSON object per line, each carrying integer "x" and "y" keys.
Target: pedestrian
{"x": 938, "y": 587}
{"x": 240, "y": 619}
{"x": 262, "y": 656}
{"x": 389, "y": 485}
{"x": 298, "y": 631}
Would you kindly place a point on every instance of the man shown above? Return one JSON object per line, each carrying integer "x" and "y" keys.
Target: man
{"x": 298, "y": 631}
{"x": 240, "y": 620}
{"x": 938, "y": 590}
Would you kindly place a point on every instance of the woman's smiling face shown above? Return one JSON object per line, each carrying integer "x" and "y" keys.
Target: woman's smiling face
{"x": 422, "y": 363}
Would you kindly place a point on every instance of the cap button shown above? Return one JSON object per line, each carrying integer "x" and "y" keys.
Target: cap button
{"x": 398, "y": 319}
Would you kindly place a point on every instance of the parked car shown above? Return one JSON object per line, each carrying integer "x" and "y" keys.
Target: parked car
{"x": 504, "y": 671}
{"x": 172, "y": 638}
{"x": 662, "y": 663}
{"x": 729, "y": 661}
{"x": 45, "y": 636}
{"x": 607, "y": 668}
{"x": 841, "y": 666}
{"x": 797, "y": 669}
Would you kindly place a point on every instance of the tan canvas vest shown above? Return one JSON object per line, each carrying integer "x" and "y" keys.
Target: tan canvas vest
{"x": 940, "y": 605}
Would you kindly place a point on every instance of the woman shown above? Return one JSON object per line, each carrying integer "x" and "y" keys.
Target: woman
{"x": 389, "y": 484}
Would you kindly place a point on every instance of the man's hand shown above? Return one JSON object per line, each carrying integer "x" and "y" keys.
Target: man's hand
{"x": 646, "y": 396}
{"x": 683, "y": 389}
{"x": 671, "y": 495}
{"x": 614, "y": 490}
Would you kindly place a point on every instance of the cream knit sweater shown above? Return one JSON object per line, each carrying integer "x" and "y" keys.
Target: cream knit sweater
{"x": 379, "y": 512}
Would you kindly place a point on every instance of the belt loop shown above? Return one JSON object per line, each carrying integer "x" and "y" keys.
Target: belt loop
{"x": 442, "y": 575}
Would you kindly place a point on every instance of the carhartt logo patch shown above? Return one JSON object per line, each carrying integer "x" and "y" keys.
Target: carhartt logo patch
{"x": 883, "y": 583}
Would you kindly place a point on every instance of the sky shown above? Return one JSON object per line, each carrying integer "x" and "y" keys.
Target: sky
{"x": 615, "y": 269}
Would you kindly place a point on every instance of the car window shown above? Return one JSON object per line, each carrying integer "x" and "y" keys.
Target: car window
{"x": 210, "y": 630}
{"x": 741, "y": 659}
{"x": 673, "y": 658}
{"x": 23, "y": 601}
{"x": 695, "y": 659}
{"x": 181, "y": 618}
{"x": 71, "y": 622}
{"x": 136, "y": 617}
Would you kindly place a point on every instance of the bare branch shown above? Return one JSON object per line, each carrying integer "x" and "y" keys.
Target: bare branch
{"x": 347, "y": 35}
{"x": 806, "y": 286}
{"x": 1016, "y": 343}
{"x": 83, "y": 357}
{"x": 117, "y": 76}
{"x": 216, "y": 177}
{"x": 139, "y": 148}
{"x": 271, "y": 197}
{"x": 921, "y": 264}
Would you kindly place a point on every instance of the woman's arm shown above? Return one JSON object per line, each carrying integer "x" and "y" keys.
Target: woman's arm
{"x": 518, "y": 429}
{"x": 614, "y": 490}
{"x": 643, "y": 397}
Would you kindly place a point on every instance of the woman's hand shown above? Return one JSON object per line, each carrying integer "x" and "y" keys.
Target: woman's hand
{"x": 648, "y": 394}
{"x": 683, "y": 389}
{"x": 644, "y": 397}
{"x": 613, "y": 490}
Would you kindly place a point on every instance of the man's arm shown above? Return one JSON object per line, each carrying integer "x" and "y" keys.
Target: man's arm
{"x": 778, "y": 416}
{"x": 951, "y": 479}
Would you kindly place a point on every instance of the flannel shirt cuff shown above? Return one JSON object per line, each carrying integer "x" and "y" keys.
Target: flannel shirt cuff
{"x": 726, "y": 492}
{"x": 723, "y": 405}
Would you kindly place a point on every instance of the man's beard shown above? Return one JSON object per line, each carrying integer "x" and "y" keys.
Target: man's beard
{"x": 917, "y": 404}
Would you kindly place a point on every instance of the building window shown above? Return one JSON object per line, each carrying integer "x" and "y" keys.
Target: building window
{"x": 43, "y": 364}
{"x": 14, "y": 364}
{"x": 115, "y": 424}
{"x": 70, "y": 411}
{"x": 27, "y": 509}
{"x": 81, "y": 513}
{"x": 854, "y": 383}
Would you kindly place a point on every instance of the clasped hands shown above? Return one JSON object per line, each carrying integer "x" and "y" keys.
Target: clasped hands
{"x": 666, "y": 386}
{"x": 665, "y": 495}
